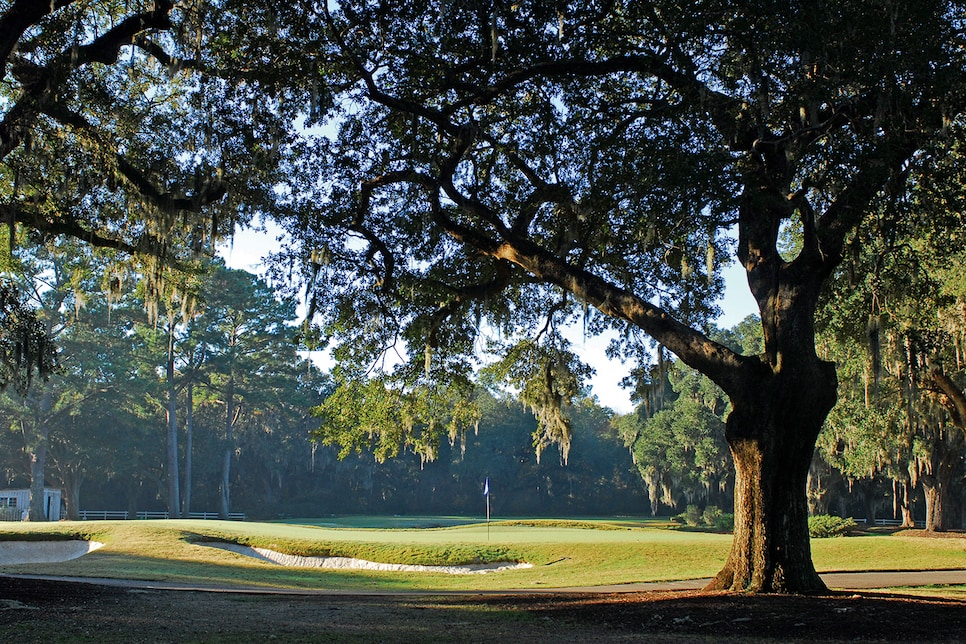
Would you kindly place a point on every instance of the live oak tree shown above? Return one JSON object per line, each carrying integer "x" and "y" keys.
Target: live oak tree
{"x": 506, "y": 168}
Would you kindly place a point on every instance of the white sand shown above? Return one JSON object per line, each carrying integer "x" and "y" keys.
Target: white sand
{"x": 28, "y": 552}
{"x": 361, "y": 564}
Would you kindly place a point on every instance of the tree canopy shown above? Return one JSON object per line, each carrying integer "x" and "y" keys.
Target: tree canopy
{"x": 501, "y": 169}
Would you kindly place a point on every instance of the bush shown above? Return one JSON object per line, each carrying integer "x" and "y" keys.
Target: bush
{"x": 711, "y": 517}
{"x": 692, "y": 516}
{"x": 725, "y": 522}
{"x": 823, "y": 526}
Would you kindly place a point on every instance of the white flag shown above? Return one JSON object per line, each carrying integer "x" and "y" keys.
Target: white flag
{"x": 486, "y": 487}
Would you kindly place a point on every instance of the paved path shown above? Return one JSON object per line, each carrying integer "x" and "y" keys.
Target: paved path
{"x": 834, "y": 580}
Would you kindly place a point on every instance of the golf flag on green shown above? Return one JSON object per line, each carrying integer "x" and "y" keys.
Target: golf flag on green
{"x": 486, "y": 493}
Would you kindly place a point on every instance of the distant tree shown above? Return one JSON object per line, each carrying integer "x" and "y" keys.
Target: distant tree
{"x": 244, "y": 334}
{"x": 898, "y": 328}
{"x": 58, "y": 278}
{"x": 676, "y": 434}
{"x": 94, "y": 440}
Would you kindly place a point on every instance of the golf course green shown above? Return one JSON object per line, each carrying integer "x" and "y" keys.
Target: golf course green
{"x": 562, "y": 553}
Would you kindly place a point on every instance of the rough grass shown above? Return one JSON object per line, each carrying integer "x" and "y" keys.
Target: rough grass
{"x": 564, "y": 554}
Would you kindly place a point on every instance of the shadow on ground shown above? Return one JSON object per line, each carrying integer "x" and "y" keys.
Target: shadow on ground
{"x": 33, "y": 610}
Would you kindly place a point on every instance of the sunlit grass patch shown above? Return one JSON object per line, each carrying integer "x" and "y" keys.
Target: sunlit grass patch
{"x": 563, "y": 553}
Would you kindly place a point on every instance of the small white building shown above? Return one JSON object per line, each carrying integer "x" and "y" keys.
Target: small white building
{"x": 20, "y": 499}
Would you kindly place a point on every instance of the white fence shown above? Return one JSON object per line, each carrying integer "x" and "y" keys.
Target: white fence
{"x": 888, "y": 523}
{"x": 105, "y": 515}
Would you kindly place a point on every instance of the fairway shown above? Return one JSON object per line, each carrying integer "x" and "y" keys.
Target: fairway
{"x": 562, "y": 553}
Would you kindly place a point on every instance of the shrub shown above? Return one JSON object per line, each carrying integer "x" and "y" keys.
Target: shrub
{"x": 824, "y": 525}
{"x": 692, "y": 516}
{"x": 711, "y": 515}
{"x": 725, "y": 522}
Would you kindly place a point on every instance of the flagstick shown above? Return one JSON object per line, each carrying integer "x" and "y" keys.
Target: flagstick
{"x": 486, "y": 493}
{"x": 487, "y": 517}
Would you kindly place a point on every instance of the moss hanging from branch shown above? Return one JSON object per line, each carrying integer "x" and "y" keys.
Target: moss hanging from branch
{"x": 26, "y": 351}
{"x": 548, "y": 378}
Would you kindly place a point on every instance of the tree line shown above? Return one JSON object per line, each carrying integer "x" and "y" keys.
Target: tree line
{"x": 206, "y": 404}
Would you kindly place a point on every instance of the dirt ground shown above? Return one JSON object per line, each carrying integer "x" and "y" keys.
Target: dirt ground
{"x": 58, "y": 611}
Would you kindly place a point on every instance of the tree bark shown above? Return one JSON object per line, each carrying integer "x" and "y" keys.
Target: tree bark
{"x": 36, "y": 432}
{"x": 939, "y": 487}
{"x": 231, "y": 414}
{"x": 903, "y": 504}
{"x": 38, "y": 463}
{"x": 132, "y": 493}
{"x": 174, "y": 493}
{"x": 772, "y": 432}
{"x": 73, "y": 479}
{"x": 188, "y": 448}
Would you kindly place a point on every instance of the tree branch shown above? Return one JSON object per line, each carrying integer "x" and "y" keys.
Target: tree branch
{"x": 955, "y": 398}
{"x": 210, "y": 191}
{"x": 12, "y": 216}
{"x": 720, "y": 363}
{"x": 41, "y": 85}
{"x": 20, "y": 16}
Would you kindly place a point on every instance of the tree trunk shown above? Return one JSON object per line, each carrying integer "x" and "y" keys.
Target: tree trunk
{"x": 174, "y": 494}
{"x": 818, "y": 498}
{"x": 230, "y": 418}
{"x": 772, "y": 432}
{"x": 934, "y": 504}
{"x": 36, "y": 433}
{"x": 940, "y": 488}
{"x": 38, "y": 463}
{"x": 224, "y": 499}
{"x": 73, "y": 479}
{"x": 131, "y": 493}
{"x": 903, "y": 503}
{"x": 188, "y": 447}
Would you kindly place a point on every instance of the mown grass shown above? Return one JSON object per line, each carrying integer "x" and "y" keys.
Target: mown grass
{"x": 563, "y": 554}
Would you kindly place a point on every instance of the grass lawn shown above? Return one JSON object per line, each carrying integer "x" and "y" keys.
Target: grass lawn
{"x": 563, "y": 553}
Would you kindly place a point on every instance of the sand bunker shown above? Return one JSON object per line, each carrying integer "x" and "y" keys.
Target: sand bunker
{"x": 28, "y": 552}
{"x": 346, "y": 563}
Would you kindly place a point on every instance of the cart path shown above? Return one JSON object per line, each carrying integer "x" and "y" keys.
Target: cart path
{"x": 834, "y": 580}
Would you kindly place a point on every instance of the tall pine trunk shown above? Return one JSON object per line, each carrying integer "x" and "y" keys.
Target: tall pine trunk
{"x": 174, "y": 494}
{"x": 188, "y": 448}
{"x": 231, "y": 414}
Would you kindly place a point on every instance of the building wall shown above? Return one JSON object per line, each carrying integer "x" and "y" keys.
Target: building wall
{"x": 14, "y": 503}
